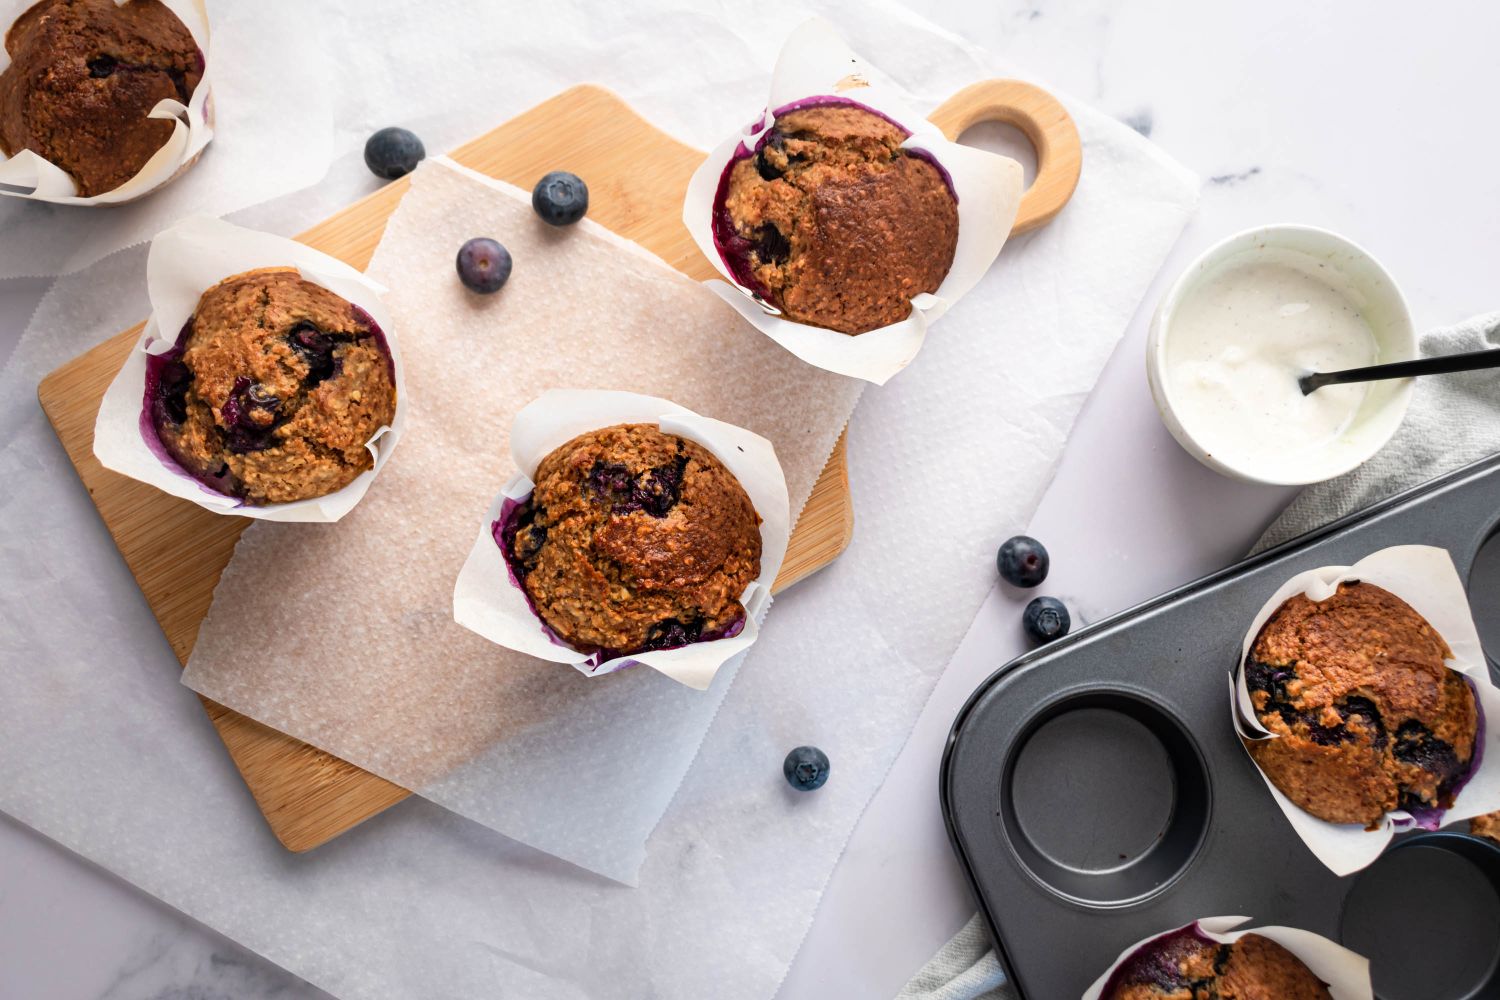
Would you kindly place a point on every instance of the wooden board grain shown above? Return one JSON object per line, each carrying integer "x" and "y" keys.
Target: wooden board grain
{"x": 176, "y": 550}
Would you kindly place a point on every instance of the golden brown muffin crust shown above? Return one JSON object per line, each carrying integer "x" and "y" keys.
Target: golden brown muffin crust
{"x": 635, "y": 539}
{"x": 288, "y": 381}
{"x": 83, "y": 76}
{"x": 834, "y": 223}
{"x": 1185, "y": 966}
{"x": 1486, "y": 825}
{"x": 1369, "y": 717}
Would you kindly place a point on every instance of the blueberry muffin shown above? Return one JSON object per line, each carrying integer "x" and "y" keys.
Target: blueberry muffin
{"x": 84, "y": 74}
{"x": 832, "y": 222}
{"x": 1186, "y": 965}
{"x": 1487, "y": 825}
{"x": 1368, "y": 716}
{"x": 274, "y": 388}
{"x": 634, "y": 539}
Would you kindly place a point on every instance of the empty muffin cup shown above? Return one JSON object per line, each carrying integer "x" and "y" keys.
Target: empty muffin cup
{"x": 307, "y": 450}
{"x": 28, "y": 174}
{"x": 943, "y": 210}
{"x": 1416, "y": 600}
{"x": 1169, "y": 962}
{"x": 656, "y": 530}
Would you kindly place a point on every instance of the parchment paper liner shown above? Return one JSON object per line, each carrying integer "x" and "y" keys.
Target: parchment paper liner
{"x": 486, "y": 597}
{"x": 29, "y": 175}
{"x": 184, "y": 262}
{"x": 815, "y": 63}
{"x": 1425, "y": 578}
{"x": 1346, "y": 973}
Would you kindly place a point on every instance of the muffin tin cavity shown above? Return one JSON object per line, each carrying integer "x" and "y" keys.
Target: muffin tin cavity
{"x": 1105, "y": 798}
{"x": 1484, "y": 595}
{"x": 1097, "y": 794}
{"x": 1431, "y": 903}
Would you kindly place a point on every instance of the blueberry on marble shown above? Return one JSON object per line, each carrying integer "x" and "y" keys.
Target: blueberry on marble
{"x": 805, "y": 768}
{"x": 1023, "y": 561}
{"x": 483, "y": 265}
{"x": 560, "y": 198}
{"x": 393, "y": 152}
{"x": 1045, "y": 619}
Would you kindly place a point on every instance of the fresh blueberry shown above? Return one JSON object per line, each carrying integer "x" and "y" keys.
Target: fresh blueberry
{"x": 806, "y": 768}
{"x": 483, "y": 265}
{"x": 393, "y": 152}
{"x": 560, "y": 198}
{"x": 1046, "y": 618}
{"x": 1022, "y": 561}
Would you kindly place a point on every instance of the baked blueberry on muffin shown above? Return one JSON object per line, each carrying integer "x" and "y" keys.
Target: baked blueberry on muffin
{"x": 274, "y": 388}
{"x": 634, "y": 539}
{"x": 1186, "y": 965}
{"x": 84, "y": 74}
{"x": 1369, "y": 718}
{"x": 832, "y": 222}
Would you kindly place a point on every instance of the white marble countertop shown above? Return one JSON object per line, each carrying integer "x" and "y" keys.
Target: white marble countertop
{"x": 1365, "y": 118}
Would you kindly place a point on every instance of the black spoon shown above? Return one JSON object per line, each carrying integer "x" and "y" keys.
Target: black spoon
{"x": 1471, "y": 361}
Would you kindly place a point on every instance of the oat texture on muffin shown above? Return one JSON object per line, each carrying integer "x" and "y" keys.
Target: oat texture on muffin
{"x": 832, "y": 222}
{"x": 1186, "y": 965}
{"x": 1367, "y": 716}
{"x": 84, "y": 75}
{"x": 634, "y": 539}
{"x": 273, "y": 390}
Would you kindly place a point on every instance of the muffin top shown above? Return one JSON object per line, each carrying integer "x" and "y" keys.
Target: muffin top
{"x": 634, "y": 539}
{"x": 1188, "y": 966}
{"x": 83, "y": 76}
{"x": 1369, "y": 717}
{"x": 835, "y": 224}
{"x": 1486, "y": 825}
{"x": 273, "y": 390}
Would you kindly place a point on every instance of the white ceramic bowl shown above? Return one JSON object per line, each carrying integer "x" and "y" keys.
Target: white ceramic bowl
{"x": 1362, "y": 281}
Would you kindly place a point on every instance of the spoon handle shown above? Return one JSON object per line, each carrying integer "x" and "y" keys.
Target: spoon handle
{"x": 1470, "y": 361}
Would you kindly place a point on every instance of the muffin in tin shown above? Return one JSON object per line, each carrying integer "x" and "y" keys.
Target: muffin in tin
{"x": 634, "y": 539}
{"x": 1486, "y": 825}
{"x": 84, "y": 75}
{"x": 273, "y": 390}
{"x": 832, "y": 222}
{"x": 1186, "y": 965}
{"x": 1367, "y": 715}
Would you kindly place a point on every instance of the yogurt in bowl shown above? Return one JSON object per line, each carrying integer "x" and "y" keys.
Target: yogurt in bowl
{"x": 1251, "y": 316}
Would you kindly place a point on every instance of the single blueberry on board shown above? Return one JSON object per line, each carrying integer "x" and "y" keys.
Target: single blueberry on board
{"x": 483, "y": 265}
{"x": 1045, "y": 619}
{"x": 560, "y": 198}
{"x": 1023, "y": 561}
{"x": 393, "y": 152}
{"x": 806, "y": 768}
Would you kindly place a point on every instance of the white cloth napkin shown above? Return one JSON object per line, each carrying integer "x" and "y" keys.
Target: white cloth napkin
{"x": 1453, "y": 420}
{"x": 107, "y": 753}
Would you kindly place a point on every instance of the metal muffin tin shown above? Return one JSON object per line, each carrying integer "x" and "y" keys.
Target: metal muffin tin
{"x": 1096, "y": 793}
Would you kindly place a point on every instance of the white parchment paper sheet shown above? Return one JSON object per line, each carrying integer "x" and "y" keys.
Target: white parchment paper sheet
{"x": 274, "y": 94}
{"x": 1346, "y": 973}
{"x": 185, "y": 261}
{"x": 487, "y": 598}
{"x": 108, "y": 754}
{"x": 816, "y": 63}
{"x": 1425, "y": 578}
{"x": 27, "y": 175}
{"x": 382, "y": 676}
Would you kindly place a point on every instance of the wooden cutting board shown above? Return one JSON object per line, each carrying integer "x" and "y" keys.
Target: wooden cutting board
{"x": 636, "y": 176}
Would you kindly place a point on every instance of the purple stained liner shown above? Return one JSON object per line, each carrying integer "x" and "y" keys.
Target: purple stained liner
{"x": 503, "y": 530}
{"x": 734, "y": 249}
{"x": 156, "y": 364}
{"x": 1153, "y": 961}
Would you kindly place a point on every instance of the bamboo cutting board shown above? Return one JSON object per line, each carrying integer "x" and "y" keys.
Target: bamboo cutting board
{"x": 176, "y": 550}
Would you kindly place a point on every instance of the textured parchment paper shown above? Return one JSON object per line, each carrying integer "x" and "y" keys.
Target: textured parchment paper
{"x": 343, "y": 635}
